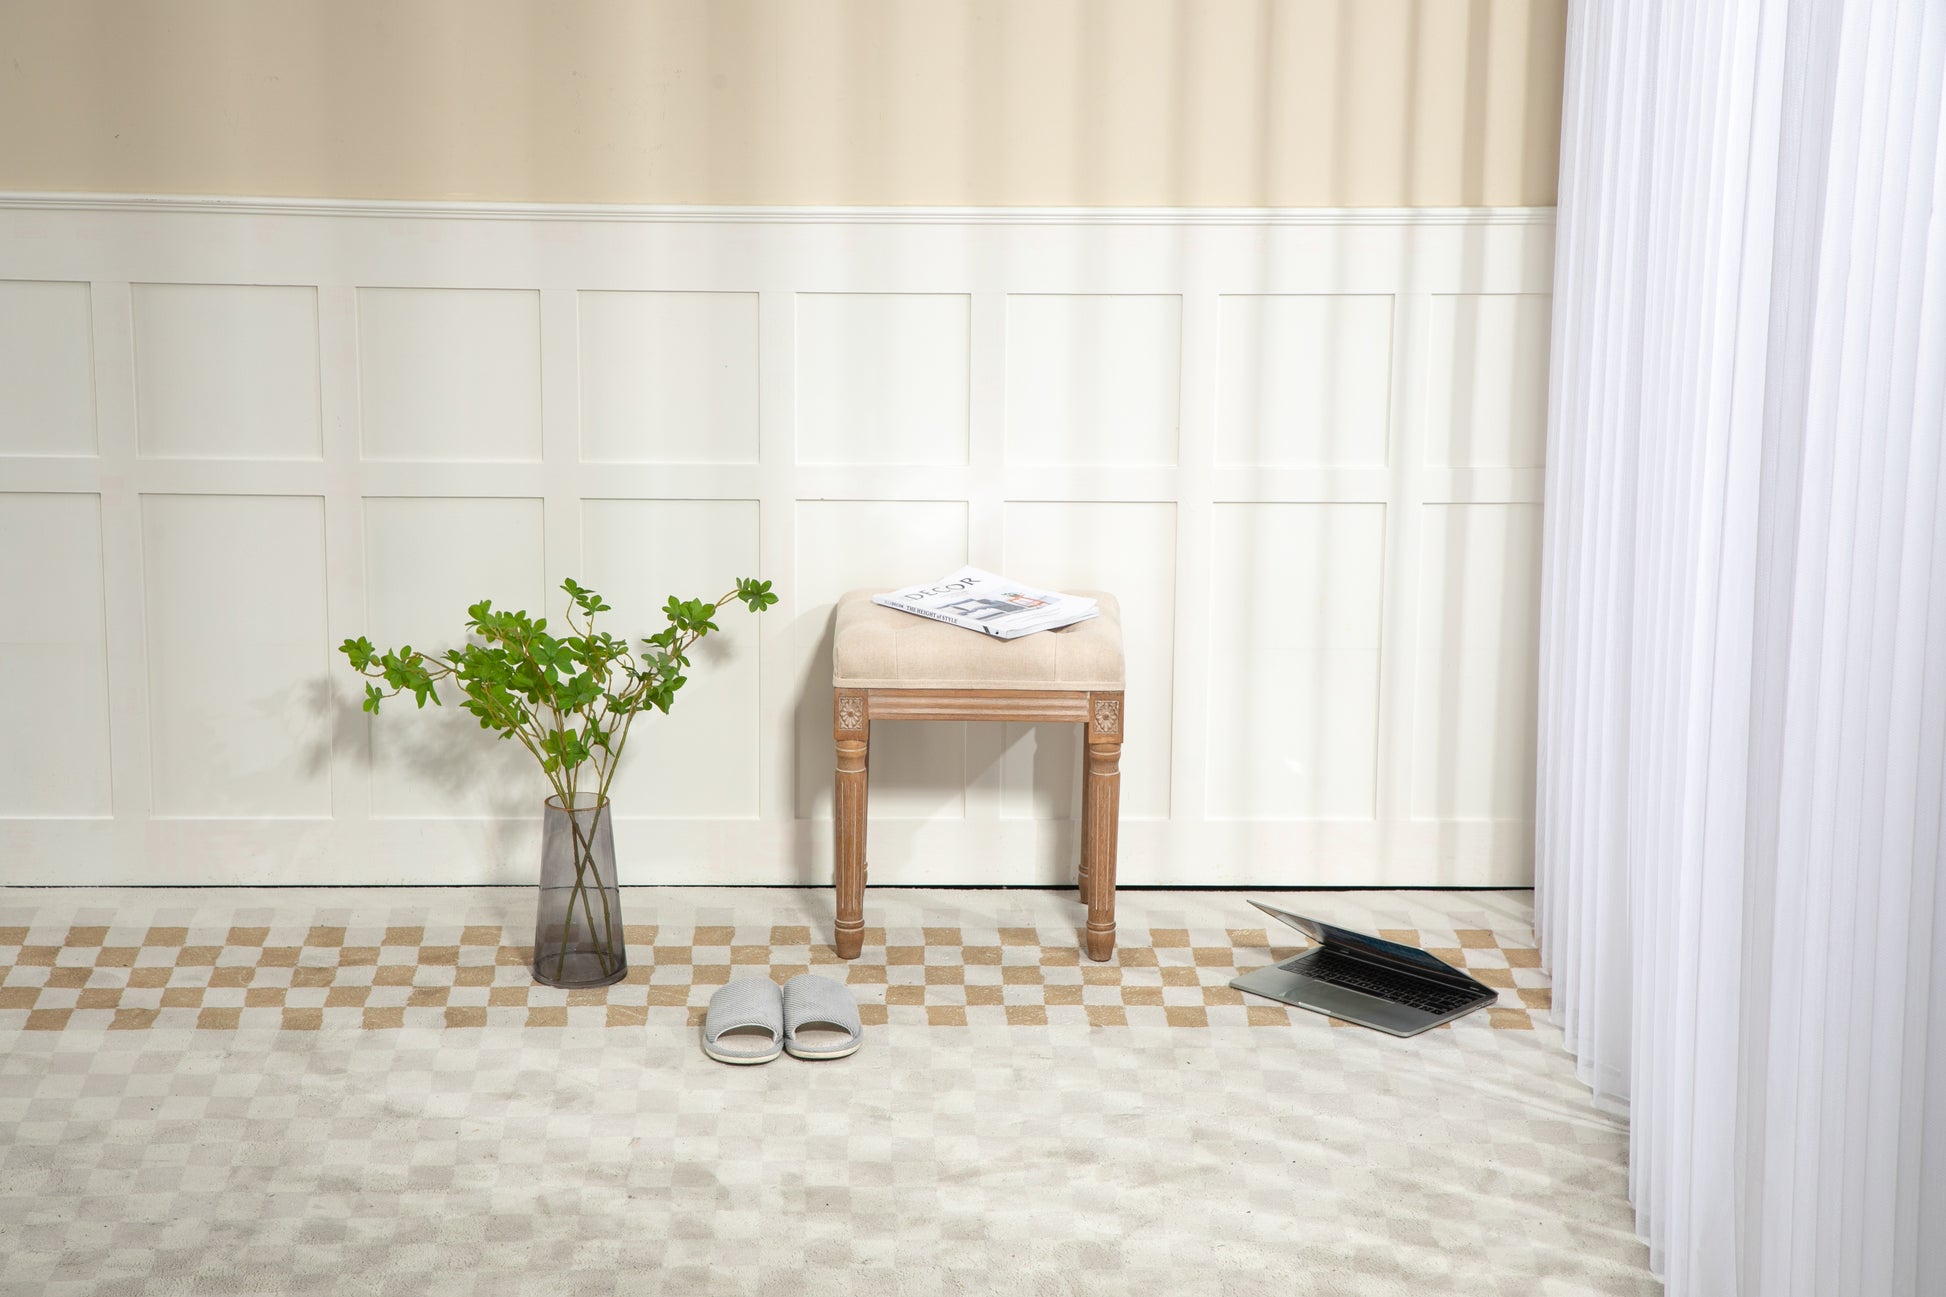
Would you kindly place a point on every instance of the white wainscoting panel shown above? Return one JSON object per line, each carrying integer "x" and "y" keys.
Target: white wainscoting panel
{"x": 1295, "y": 691}
{"x": 47, "y": 369}
{"x": 1304, "y": 449}
{"x": 1306, "y": 380}
{"x": 226, "y": 371}
{"x": 882, "y": 378}
{"x": 1488, "y": 394}
{"x": 1478, "y": 657}
{"x": 239, "y": 685}
{"x": 1093, "y": 379}
{"x": 53, "y": 658}
{"x": 669, "y": 378}
{"x": 450, "y": 374}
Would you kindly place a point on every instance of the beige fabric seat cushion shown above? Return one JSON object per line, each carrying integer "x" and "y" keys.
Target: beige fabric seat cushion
{"x": 882, "y": 648}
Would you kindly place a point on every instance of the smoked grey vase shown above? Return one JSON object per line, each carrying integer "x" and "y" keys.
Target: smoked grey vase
{"x": 578, "y": 935}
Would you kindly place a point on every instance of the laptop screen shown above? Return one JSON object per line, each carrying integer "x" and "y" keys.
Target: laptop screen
{"x": 1377, "y": 947}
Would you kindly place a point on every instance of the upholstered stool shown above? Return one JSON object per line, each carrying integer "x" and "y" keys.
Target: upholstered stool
{"x": 894, "y": 666}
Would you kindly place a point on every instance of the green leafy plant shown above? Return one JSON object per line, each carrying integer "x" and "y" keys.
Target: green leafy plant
{"x": 570, "y": 700}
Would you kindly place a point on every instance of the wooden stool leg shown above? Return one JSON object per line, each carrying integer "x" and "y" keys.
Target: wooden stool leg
{"x": 1101, "y": 798}
{"x": 853, "y": 733}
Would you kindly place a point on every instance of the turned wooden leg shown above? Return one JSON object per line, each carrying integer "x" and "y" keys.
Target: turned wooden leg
{"x": 1101, "y": 797}
{"x": 852, "y": 730}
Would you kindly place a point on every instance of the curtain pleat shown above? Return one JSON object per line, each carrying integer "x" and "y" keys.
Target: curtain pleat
{"x": 1741, "y": 795}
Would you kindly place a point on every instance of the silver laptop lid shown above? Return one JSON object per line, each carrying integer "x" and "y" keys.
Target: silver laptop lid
{"x": 1375, "y": 947}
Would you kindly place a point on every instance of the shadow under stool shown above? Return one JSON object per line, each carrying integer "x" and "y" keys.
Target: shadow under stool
{"x": 895, "y": 666}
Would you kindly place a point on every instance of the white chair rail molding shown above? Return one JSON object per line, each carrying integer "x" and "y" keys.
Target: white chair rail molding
{"x": 1305, "y": 449}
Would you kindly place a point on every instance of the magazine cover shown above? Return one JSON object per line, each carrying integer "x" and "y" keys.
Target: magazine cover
{"x": 993, "y": 605}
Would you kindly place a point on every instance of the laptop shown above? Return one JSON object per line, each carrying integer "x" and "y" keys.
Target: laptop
{"x": 1398, "y": 989}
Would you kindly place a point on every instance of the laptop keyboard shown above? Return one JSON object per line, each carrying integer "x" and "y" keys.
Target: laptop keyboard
{"x": 1327, "y": 965}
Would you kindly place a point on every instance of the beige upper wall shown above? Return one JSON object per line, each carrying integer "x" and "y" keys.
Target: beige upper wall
{"x": 1224, "y": 103}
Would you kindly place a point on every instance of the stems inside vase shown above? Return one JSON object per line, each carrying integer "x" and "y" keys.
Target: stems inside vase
{"x": 585, "y": 865}
{"x": 578, "y": 859}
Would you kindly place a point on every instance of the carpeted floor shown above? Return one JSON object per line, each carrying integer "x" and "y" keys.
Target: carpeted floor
{"x": 361, "y": 1091}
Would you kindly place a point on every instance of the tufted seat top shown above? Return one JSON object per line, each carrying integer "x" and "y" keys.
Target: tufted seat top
{"x": 882, "y": 648}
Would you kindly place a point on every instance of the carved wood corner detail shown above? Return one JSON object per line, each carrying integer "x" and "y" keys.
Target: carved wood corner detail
{"x": 851, "y": 712}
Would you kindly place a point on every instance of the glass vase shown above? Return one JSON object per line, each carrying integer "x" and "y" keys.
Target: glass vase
{"x": 578, "y": 936}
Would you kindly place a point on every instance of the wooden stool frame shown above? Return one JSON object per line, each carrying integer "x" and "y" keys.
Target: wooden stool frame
{"x": 1098, "y": 712}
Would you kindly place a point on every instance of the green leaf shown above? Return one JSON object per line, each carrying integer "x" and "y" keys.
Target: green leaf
{"x": 755, "y": 594}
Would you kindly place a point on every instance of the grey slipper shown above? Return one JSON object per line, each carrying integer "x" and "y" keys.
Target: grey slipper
{"x": 745, "y": 1023}
{"x": 820, "y": 1019}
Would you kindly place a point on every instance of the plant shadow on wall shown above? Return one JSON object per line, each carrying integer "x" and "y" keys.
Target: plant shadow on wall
{"x": 571, "y": 701}
{"x": 473, "y": 776}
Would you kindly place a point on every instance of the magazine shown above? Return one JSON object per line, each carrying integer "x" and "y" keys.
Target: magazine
{"x": 990, "y": 604}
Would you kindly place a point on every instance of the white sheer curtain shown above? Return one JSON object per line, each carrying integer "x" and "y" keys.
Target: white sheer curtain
{"x": 1743, "y": 668}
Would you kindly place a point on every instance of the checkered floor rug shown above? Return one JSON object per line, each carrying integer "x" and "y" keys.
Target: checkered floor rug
{"x": 304, "y": 977}
{"x": 362, "y": 1091}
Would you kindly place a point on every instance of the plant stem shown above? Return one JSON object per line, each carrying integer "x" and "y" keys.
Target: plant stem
{"x": 584, "y": 864}
{"x": 606, "y": 945}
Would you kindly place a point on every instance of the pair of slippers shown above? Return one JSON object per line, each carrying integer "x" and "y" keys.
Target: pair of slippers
{"x": 753, "y": 1020}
